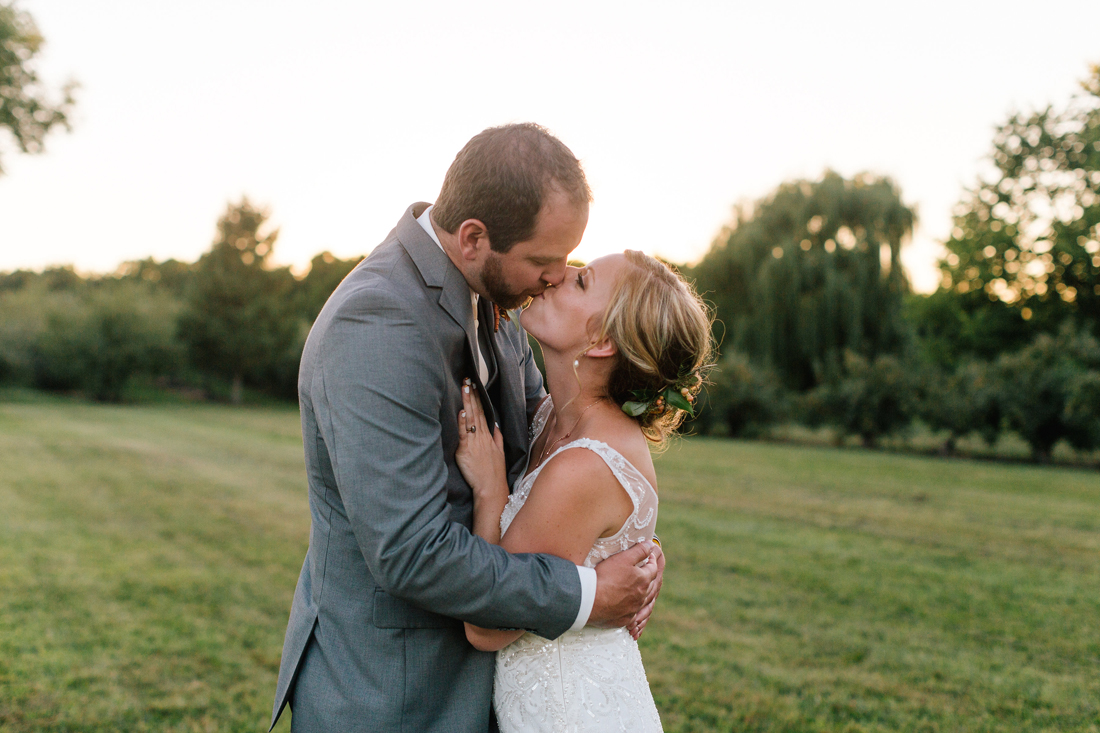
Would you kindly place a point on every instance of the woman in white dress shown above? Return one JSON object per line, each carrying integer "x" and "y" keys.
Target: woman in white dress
{"x": 623, "y": 341}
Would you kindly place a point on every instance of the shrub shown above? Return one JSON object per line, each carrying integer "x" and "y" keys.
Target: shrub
{"x": 97, "y": 342}
{"x": 742, "y": 396}
{"x": 874, "y": 398}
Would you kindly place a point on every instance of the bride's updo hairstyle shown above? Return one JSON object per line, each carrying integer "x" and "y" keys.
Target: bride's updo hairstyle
{"x": 662, "y": 332}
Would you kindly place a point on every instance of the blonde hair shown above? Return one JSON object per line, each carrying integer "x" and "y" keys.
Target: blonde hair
{"x": 662, "y": 332}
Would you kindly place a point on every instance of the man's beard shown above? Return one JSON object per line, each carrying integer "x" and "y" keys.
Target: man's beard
{"x": 492, "y": 278}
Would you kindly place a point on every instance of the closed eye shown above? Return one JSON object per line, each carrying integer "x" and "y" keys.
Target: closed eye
{"x": 580, "y": 281}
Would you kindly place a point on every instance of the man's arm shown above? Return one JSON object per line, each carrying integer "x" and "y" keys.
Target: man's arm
{"x": 381, "y": 384}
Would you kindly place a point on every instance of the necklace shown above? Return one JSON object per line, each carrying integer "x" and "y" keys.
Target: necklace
{"x": 578, "y": 422}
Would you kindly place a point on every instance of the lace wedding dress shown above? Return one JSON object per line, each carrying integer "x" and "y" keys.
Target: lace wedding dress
{"x": 587, "y": 680}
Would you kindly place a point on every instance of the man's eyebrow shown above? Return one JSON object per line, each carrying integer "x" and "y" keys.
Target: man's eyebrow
{"x": 542, "y": 260}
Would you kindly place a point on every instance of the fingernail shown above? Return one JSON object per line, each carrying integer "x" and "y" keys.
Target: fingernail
{"x": 462, "y": 414}
{"x": 466, "y": 390}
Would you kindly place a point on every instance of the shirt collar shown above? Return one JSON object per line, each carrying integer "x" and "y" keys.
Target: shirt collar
{"x": 425, "y": 222}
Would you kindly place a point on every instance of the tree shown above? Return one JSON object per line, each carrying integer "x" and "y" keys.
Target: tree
{"x": 1050, "y": 389}
{"x": 26, "y": 110}
{"x": 238, "y": 320}
{"x": 874, "y": 398}
{"x": 810, "y": 272}
{"x": 98, "y": 340}
{"x": 960, "y": 402}
{"x": 744, "y": 396}
{"x": 1026, "y": 240}
{"x": 325, "y": 273}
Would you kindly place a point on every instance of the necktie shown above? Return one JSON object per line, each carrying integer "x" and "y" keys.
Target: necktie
{"x": 482, "y": 367}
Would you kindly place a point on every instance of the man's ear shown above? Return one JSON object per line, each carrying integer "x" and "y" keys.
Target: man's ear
{"x": 472, "y": 238}
{"x": 603, "y": 348}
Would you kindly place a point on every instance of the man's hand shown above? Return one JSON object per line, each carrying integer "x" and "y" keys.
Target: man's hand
{"x": 626, "y": 586}
{"x": 642, "y": 618}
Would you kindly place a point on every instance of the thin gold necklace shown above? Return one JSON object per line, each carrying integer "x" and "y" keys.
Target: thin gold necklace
{"x": 578, "y": 422}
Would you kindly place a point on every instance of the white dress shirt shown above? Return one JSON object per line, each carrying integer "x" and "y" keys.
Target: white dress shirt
{"x": 587, "y": 575}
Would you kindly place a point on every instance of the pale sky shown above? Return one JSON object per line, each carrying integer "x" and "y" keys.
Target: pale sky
{"x": 339, "y": 115}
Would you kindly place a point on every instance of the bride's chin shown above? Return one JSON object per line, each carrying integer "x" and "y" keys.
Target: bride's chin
{"x": 528, "y": 317}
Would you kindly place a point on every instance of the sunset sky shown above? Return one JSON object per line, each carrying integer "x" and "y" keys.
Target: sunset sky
{"x": 339, "y": 115}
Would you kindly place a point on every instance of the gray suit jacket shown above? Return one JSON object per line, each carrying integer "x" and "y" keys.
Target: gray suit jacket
{"x": 375, "y": 640}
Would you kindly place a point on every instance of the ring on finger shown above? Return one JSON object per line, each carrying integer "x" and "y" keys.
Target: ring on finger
{"x": 471, "y": 429}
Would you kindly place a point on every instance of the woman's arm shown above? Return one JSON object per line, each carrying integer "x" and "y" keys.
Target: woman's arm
{"x": 481, "y": 460}
{"x": 575, "y": 500}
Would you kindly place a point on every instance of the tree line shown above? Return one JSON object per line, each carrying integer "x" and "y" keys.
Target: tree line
{"x": 815, "y": 315}
{"x": 818, "y": 323}
{"x": 228, "y": 321}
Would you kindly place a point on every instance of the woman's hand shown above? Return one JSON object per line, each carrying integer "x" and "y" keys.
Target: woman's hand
{"x": 480, "y": 458}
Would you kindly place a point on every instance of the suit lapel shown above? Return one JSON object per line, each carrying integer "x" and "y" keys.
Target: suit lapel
{"x": 441, "y": 274}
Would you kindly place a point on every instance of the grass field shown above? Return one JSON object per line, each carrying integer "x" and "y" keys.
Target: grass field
{"x": 148, "y": 556}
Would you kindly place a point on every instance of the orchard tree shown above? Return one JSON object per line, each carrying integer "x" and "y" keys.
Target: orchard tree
{"x": 874, "y": 398}
{"x": 1026, "y": 240}
{"x": 238, "y": 321}
{"x": 1050, "y": 391}
{"x": 27, "y": 111}
{"x": 810, "y": 272}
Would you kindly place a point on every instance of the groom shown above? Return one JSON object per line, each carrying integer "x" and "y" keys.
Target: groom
{"x": 375, "y": 640}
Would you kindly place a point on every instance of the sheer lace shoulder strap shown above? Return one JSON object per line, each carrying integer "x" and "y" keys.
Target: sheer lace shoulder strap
{"x": 631, "y": 479}
{"x": 538, "y": 422}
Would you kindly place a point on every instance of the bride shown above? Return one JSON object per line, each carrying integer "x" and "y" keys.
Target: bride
{"x": 623, "y": 340}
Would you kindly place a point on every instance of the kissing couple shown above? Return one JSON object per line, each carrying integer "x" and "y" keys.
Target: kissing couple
{"x": 481, "y": 553}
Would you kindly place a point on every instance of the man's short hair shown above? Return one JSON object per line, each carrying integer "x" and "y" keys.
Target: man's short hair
{"x": 501, "y": 178}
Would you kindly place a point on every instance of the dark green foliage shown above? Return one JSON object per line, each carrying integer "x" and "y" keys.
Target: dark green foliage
{"x": 951, "y": 328}
{"x": 874, "y": 398}
{"x": 26, "y": 112}
{"x": 1049, "y": 391}
{"x": 325, "y": 273}
{"x": 170, "y": 275}
{"x": 966, "y": 400}
{"x": 241, "y": 321}
{"x": 1028, "y": 237}
{"x": 810, "y": 272}
{"x": 239, "y": 318}
{"x": 52, "y": 278}
{"x": 744, "y": 397}
{"x": 96, "y": 343}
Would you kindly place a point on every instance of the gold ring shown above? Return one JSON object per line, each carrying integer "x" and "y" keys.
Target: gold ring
{"x": 472, "y": 429}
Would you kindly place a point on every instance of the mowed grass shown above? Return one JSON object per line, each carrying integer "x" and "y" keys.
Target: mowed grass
{"x": 148, "y": 557}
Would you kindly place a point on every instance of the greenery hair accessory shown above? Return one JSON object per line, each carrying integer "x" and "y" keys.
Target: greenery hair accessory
{"x": 680, "y": 395}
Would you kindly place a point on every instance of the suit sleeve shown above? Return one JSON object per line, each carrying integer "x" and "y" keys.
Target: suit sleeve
{"x": 382, "y": 386}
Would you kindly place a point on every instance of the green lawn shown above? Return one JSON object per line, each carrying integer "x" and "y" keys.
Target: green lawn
{"x": 148, "y": 556}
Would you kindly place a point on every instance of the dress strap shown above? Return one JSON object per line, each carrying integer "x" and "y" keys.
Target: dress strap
{"x": 538, "y": 422}
{"x": 632, "y": 480}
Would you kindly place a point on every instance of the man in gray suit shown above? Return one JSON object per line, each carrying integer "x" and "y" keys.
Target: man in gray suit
{"x": 375, "y": 640}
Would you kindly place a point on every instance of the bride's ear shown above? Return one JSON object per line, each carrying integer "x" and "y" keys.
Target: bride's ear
{"x": 603, "y": 348}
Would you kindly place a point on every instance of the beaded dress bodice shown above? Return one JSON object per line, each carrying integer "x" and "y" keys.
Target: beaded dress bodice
{"x": 587, "y": 680}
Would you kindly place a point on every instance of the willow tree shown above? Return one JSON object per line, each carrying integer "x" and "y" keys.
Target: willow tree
{"x": 809, "y": 272}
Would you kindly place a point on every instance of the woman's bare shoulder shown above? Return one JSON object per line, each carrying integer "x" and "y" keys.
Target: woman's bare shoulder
{"x": 624, "y": 435}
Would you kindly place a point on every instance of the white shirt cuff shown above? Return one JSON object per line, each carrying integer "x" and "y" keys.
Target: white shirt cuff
{"x": 588, "y": 596}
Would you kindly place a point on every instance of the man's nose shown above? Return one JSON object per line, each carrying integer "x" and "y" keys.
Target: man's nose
{"x": 555, "y": 275}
